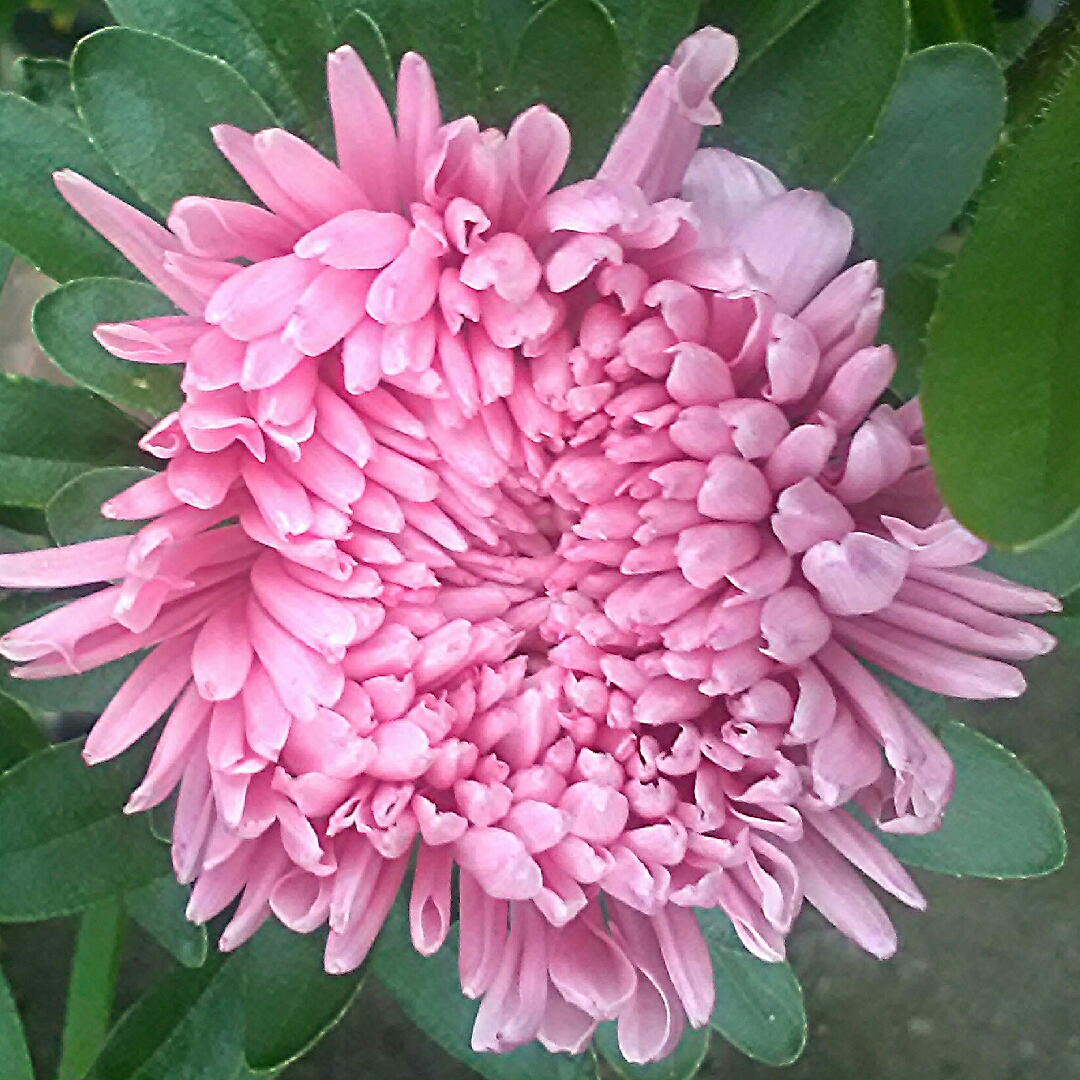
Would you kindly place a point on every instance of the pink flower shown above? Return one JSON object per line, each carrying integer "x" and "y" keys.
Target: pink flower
{"x": 541, "y": 532}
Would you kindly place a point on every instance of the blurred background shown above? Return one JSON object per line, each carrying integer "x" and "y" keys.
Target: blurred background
{"x": 986, "y": 986}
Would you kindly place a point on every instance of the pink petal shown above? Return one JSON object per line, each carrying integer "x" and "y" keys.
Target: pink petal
{"x": 706, "y": 553}
{"x": 261, "y": 297}
{"x": 133, "y": 234}
{"x": 418, "y": 122}
{"x": 793, "y": 625}
{"x": 724, "y": 188}
{"x": 222, "y": 229}
{"x": 327, "y": 310}
{"x": 860, "y": 574}
{"x": 58, "y": 568}
{"x": 734, "y": 490}
{"x": 429, "y": 903}
{"x": 589, "y": 969}
{"x": 838, "y": 893}
{"x": 797, "y": 242}
{"x": 357, "y": 240}
{"x": 363, "y": 130}
{"x": 306, "y": 177}
{"x": 497, "y": 859}
{"x": 222, "y": 654}
{"x": 150, "y": 689}
{"x": 658, "y": 141}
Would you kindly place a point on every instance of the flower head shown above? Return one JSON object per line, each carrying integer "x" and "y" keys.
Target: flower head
{"x": 543, "y": 532}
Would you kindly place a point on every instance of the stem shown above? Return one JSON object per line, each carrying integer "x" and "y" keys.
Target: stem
{"x": 90, "y": 991}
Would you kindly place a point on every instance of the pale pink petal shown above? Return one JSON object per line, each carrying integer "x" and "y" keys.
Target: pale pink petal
{"x": 497, "y": 859}
{"x": 429, "y": 905}
{"x": 658, "y": 141}
{"x": 856, "y": 576}
{"x": 58, "y": 568}
{"x": 837, "y": 892}
{"x": 306, "y": 177}
{"x": 797, "y": 242}
{"x": 723, "y": 189}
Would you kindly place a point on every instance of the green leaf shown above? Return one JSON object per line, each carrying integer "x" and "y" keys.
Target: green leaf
{"x": 7, "y": 257}
{"x": 35, "y": 222}
{"x": 279, "y": 48}
{"x": 13, "y": 1050}
{"x": 910, "y": 181}
{"x": 22, "y": 529}
{"x": 360, "y": 30}
{"x": 159, "y": 909}
{"x": 50, "y": 434}
{"x": 570, "y": 59}
{"x": 427, "y": 989}
{"x": 64, "y": 320}
{"x": 150, "y": 103}
{"x": 86, "y": 693}
{"x": 41, "y": 419}
{"x": 19, "y": 735}
{"x": 20, "y": 606}
{"x": 681, "y": 1064}
{"x": 468, "y": 44}
{"x": 47, "y": 83}
{"x": 1001, "y": 821}
{"x": 935, "y": 21}
{"x": 648, "y": 31}
{"x": 289, "y": 1000}
{"x": 189, "y": 1026}
{"x": 16, "y": 540}
{"x": 910, "y": 296}
{"x": 94, "y": 969}
{"x": 33, "y": 481}
{"x": 1052, "y": 563}
{"x": 1066, "y": 626}
{"x": 74, "y": 512}
{"x": 1015, "y": 37}
{"x": 758, "y": 26}
{"x": 1038, "y": 75}
{"x": 759, "y": 1006}
{"x": 1000, "y": 393}
{"x": 65, "y": 842}
{"x": 807, "y": 103}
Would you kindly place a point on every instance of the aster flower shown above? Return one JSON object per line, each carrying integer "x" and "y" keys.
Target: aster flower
{"x": 542, "y": 532}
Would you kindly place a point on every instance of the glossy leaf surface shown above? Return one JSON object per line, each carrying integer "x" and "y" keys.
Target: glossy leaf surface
{"x": 279, "y": 49}
{"x": 1000, "y": 393}
{"x": 804, "y": 104}
{"x": 65, "y": 842}
{"x": 570, "y": 59}
{"x": 759, "y": 1006}
{"x": 149, "y": 105}
{"x": 911, "y": 180}
{"x": 64, "y": 320}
